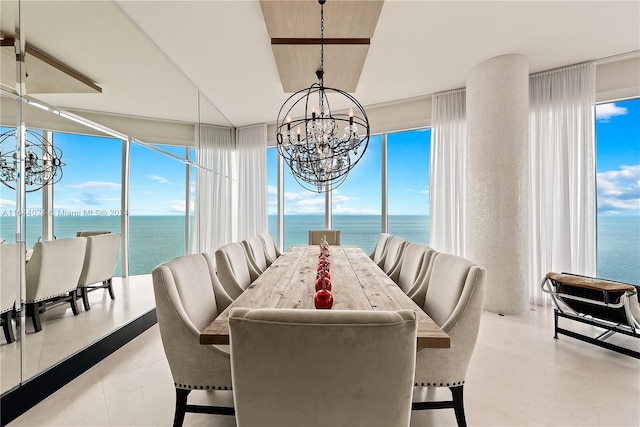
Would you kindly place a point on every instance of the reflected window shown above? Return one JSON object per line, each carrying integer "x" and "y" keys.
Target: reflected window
{"x": 88, "y": 195}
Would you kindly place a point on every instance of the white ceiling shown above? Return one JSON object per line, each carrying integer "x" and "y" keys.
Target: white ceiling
{"x": 151, "y": 58}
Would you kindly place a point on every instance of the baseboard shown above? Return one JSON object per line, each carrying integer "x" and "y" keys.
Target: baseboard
{"x": 18, "y": 401}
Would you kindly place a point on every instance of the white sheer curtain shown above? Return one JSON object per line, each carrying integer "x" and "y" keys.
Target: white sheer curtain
{"x": 252, "y": 179}
{"x": 563, "y": 181}
{"x": 447, "y": 177}
{"x": 216, "y": 189}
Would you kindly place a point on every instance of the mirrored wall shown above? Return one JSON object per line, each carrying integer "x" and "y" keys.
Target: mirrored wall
{"x": 118, "y": 174}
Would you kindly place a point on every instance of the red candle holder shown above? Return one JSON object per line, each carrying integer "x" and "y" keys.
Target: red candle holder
{"x": 323, "y": 299}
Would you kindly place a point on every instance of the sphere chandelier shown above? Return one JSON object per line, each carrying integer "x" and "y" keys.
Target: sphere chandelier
{"x": 38, "y": 170}
{"x": 320, "y": 146}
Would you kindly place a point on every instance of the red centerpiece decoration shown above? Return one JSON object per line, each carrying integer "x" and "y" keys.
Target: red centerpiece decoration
{"x": 323, "y": 297}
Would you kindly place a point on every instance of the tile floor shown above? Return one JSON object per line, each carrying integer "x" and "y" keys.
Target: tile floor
{"x": 519, "y": 376}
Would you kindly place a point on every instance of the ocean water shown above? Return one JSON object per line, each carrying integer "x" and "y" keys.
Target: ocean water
{"x": 156, "y": 239}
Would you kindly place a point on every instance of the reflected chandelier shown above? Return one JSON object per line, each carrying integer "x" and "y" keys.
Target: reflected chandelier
{"x": 319, "y": 157}
{"x": 38, "y": 171}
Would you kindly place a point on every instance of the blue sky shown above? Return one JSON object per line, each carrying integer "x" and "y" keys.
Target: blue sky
{"x": 92, "y": 180}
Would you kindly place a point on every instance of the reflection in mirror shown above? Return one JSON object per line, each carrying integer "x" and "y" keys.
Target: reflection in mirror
{"x": 93, "y": 193}
{"x": 10, "y": 258}
{"x": 11, "y": 248}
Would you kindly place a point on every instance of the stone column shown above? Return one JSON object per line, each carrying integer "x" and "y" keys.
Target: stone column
{"x": 497, "y": 112}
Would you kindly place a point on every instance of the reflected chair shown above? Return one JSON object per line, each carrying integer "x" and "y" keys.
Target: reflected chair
{"x": 332, "y": 236}
{"x": 234, "y": 269}
{"x": 87, "y": 233}
{"x": 188, "y": 298}
{"x": 296, "y": 367}
{"x": 393, "y": 255}
{"x": 254, "y": 248}
{"x": 99, "y": 263}
{"x": 413, "y": 267}
{"x": 377, "y": 255}
{"x": 271, "y": 250}
{"x": 11, "y": 269}
{"x": 52, "y": 275}
{"x": 452, "y": 296}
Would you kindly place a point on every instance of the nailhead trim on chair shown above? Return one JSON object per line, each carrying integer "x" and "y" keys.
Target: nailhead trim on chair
{"x": 200, "y": 387}
{"x": 440, "y": 384}
{"x": 50, "y": 296}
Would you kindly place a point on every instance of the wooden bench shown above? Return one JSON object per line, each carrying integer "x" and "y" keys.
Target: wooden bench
{"x": 605, "y": 304}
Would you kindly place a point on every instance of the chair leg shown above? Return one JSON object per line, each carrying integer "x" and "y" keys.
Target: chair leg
{"x": 73, "y": 295}
{"x": 181, "y": 406}
{"x": 34, "y": 309}
{"x": 85, "y": 298}
{"x": 458, "y": 405}
{"x": 8, "y": 327}
{"x": 109, "y": 284}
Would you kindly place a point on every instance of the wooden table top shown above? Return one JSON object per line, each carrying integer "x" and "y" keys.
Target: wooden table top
{"x": 357, "y": 283}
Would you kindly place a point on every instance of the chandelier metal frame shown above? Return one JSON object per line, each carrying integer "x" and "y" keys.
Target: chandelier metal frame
{"x": 319, "y": 158}
{"x": 38, "y": 170}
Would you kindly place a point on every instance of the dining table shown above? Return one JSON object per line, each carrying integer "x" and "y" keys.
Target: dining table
{"x": 357, "y": 283}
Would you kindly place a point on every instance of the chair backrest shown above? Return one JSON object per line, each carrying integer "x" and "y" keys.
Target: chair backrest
{"x": 87, "y": 233}
{"x": 295, "y": 367}
{"x": 10, "y": 271}
{"x": 270, "y": 247}
{"x": 452, "y": 296}
{"x": 254, "y": 248}
{"x": 451, "y": 282}
{"x": 393, "y": 254}
{"x": 54, "y": 268}
{"x": 234, "y": 270}
{"x": 188, "y": 298}
{"x": 413, "y": 267}
{"x": 333, "y": 237}
{"x": 378, "y": 252}
{"x": 100, "y": 258}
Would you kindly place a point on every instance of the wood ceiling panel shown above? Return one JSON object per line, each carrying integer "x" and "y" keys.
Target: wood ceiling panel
{"x": 298, "y": 22}
{"x": 297, "y": 65}
{"x": 301, "y": 19}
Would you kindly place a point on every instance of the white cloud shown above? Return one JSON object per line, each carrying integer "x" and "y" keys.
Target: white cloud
{"x": 619, "y": 190}
{"x": 159, "y": 179}
{"x": 177, "y": 206}
{"x": 604, "y": 112}
{"x": 6, "y": 203}
{"x": 97, "y": 185}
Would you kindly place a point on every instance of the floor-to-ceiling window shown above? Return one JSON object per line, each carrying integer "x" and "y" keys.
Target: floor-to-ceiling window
{"x": 272, "y": 191}
{"x": 356, "y": 204}
{"x": 618, "y": 186}
{"x": 408, "y": 157}
{"x": 157, "y": 207}
{"x": 356, "y": 208}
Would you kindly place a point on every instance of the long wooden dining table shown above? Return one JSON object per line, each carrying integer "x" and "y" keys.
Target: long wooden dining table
{"x": 357, "y": 284}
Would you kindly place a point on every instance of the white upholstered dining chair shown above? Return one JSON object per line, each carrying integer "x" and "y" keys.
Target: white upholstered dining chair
{"x": 11, "y": 269}
{"x": 254, "y": 248}
{"x": 295, "y": 367}
{"x": 234, "y": 269}
{"x": 377, "y": 255}
{"x": 270, "y": 247}
{"x": 452, "y": 296}
{"x": 188, "y": 298}
{"x": 393, "y": 255}
{"x": 52, "y": 275}
{"x": 413, "y": 267}
{"x": 100, "y": 259}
